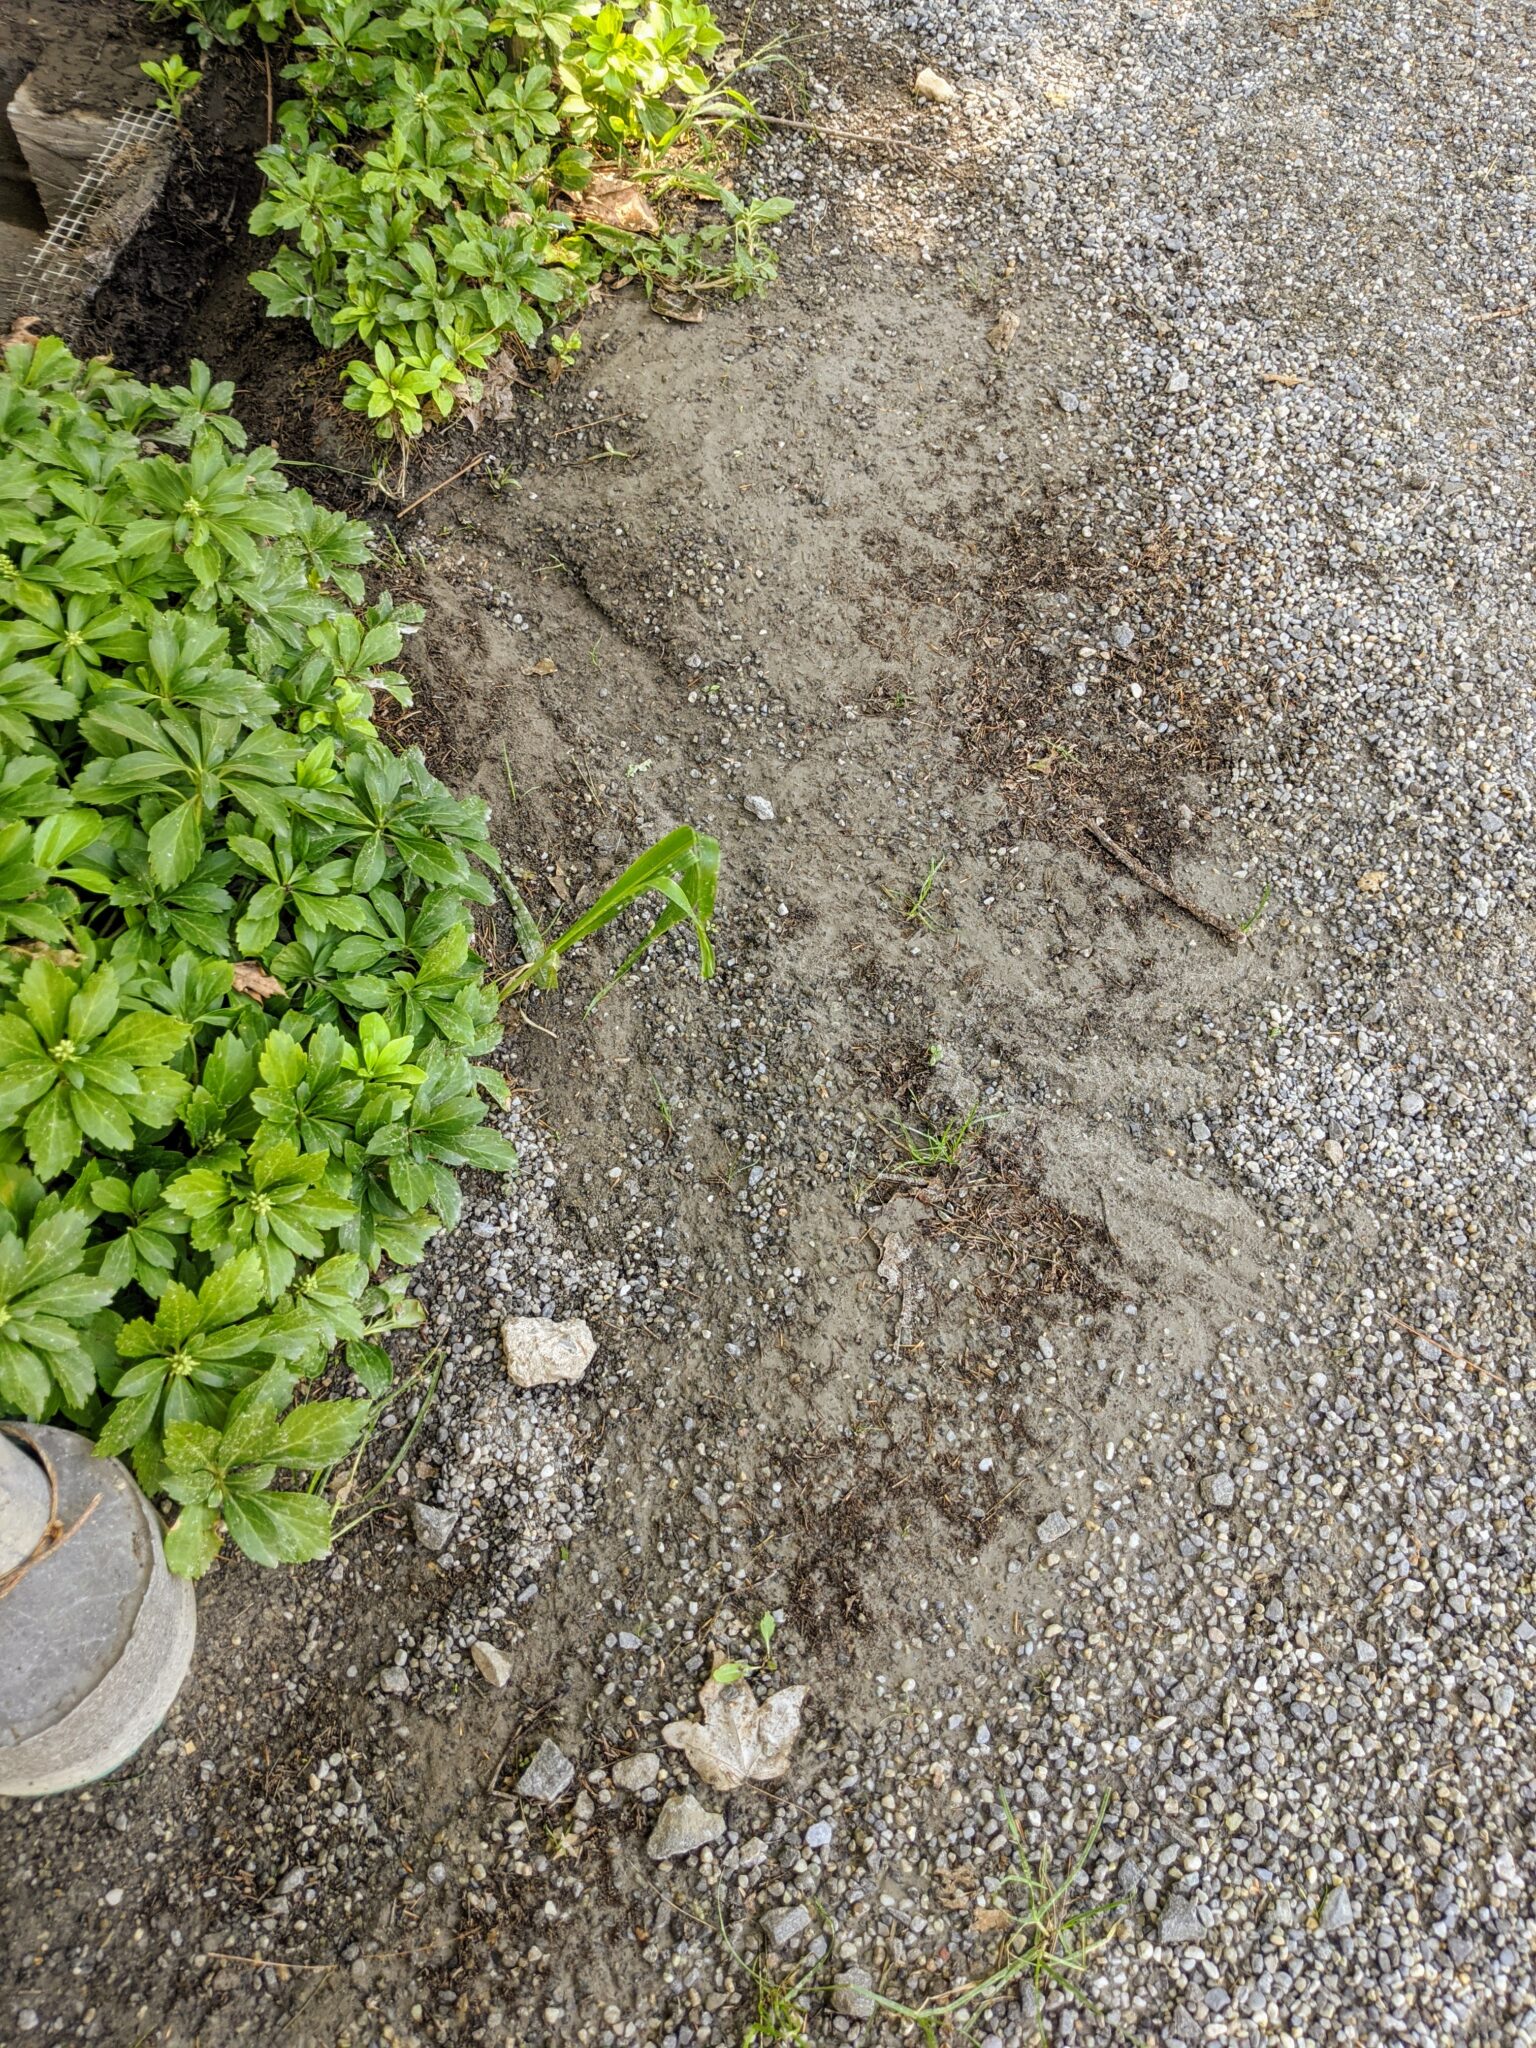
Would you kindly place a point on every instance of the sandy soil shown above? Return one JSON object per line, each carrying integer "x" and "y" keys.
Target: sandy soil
{"x": 827, "y": 549}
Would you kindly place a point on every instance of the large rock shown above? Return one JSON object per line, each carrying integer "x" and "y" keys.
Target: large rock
{"x": 541, "y": 1353}
{"x": 683, "y": 1826}
{"x": 548, "y": 1775}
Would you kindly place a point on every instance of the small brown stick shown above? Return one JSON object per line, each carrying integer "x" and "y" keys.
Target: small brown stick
{"x": 266, "y": 58}
{"x": 1498, "y": 313}
{"x": 1460, "y": 1357}
{"x": 1233, "y": 935}
{"x": 473, "y": 463}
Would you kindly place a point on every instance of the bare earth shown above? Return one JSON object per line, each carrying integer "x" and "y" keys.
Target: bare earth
{"x": 1164, "y": 1452}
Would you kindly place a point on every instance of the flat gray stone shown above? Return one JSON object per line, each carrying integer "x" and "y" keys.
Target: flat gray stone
{"x": 493, "y": 1665}
{"x": 1337, "y": 1912}
{"x": 542, "y": 1353}
{"x": 1052, "y": 1527}
{"x": 1181, "y": 1922}
{"x": 434, "y": 1526}
{"x": 851, "y": 1995}
{"x": 683, "y": 1826}
{"x": 549, "y": 1774}
{"x": 785, "y": 1924}
{"x": 637, "y": 1773}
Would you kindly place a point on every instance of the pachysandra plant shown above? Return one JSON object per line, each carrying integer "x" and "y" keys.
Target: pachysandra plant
{"x": 190, "y": 782}
{"x": 429, "y": 175}
{"x": 240, "y": 1003}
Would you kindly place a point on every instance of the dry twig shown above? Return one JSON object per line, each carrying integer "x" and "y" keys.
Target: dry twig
{"x": 1230, "y": 932}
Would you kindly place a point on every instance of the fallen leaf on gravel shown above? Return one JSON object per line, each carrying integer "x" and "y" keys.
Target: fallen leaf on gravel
{"x": 542, "y": 668}
{"x": 1002, "y": 331}
{"x": 1373, "y": 882}
{"x": 991, "y": 1920}
{"x": 1286, "y": 377}
{"x": 252, "y": 979}
{"x": 738, "y": 1739}
{"x": 614, "y": 201}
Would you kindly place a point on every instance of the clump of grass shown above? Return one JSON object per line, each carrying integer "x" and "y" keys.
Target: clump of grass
{"x": 925, "y": 1148}
{"x": 1050, "y": 1946}
{"x": 913, "y": 908}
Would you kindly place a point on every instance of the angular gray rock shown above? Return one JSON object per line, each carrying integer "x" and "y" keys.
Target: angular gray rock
{"x": 851, "y": 1995}
{"x": 1180, "y": 1922}
{"x": 493, "y": 1665}
{"x": 434, "y": 1526}
{"x": 1337, "y": 1913}
{"x": 542, "y": 1353}
{"x": 637, "y": 1773}
{"x": 549, "y": 1774}
{"x": 683, "y": 1826}
{"x": 785, "y": 1924}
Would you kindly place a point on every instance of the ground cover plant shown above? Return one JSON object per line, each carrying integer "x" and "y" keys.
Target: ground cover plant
{"x": 240, "y": 1004}
{"x": 450, "y": 177}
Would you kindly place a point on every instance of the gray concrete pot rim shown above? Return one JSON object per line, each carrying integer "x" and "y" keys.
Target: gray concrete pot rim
{"x": 54, "y": 1533}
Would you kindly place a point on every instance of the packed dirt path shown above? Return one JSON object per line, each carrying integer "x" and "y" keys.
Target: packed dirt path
{"x": 1098, "y": 1338}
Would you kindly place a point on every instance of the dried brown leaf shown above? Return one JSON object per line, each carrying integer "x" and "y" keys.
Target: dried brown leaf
{"x": 738, "y": 1739}
{"x": 252, "y": 979}
{"x": 614, "y": 201}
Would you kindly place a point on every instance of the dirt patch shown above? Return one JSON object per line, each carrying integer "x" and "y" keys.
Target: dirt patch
{"x": 801, "y": 579}
{"x": 1082, "y": 704}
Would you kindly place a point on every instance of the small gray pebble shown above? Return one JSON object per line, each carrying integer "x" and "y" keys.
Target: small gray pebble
{"x": 636, "y": 1773}
{"x": 785, "y": 1924}
{"x": 851, "y": 1995}
{"x": 1337, "y": 1912}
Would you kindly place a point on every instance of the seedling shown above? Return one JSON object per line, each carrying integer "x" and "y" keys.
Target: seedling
{"x": 682, "y": 869}
{"x": 176, "y": 80}
{"x": 916, "y": 911}
{"x": 1249, "y": 924}
{"x": 727, "y": 1674}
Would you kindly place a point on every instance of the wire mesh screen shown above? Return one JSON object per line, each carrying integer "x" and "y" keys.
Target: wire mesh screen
{"x": 70, "y": 260}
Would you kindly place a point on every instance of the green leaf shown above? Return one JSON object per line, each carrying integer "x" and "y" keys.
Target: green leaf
{"x": 53, "y": 1136}
{"x": 319, "y": 1433}
{"x": 371, "y": 1363}
{"x": 279, "y": 1528}
{"x": 176, "y": 844}
{"x": 192, "y": 1542}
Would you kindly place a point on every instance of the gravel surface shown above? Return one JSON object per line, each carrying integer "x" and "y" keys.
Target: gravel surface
{"x": 1190, "y": 1484}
